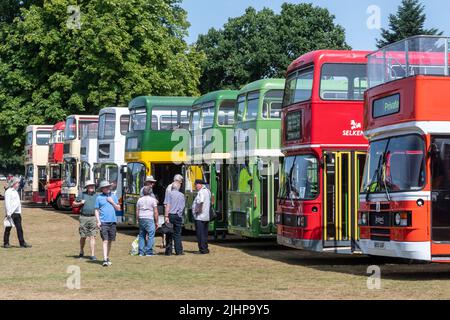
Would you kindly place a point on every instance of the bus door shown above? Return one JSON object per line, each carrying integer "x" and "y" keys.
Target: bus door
{"x": 440, "y": 198}
{"x": 343, "y": 172}
{"x": 42, "y": 180}
{"x": 221, "y": 182}
{"x": 269, "y": 191}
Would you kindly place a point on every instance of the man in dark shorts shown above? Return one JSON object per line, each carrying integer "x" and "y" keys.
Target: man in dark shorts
{"x": 88, "y": 222}
{"x": 106, "y": 205}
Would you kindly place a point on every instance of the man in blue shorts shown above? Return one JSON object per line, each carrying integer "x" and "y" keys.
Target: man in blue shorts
{"x": 106, "y": 205}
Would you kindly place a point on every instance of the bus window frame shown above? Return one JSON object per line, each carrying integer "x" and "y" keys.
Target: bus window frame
{"x": 133, "y": 112}
{"x": 337, "y": 63}
{"x": 219, "y": 108}
{"x": 310, "y": 68}
{"x": 171, "y": 108}
{"x": 76, "y": 133}
{"x": 270, "y": 101}
{"x": 102, "y": 135}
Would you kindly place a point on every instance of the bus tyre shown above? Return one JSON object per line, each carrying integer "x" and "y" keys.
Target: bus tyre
{"x": 58, "y": 203}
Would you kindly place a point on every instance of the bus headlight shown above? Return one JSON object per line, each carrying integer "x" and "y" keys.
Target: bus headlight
{"x": 301, "y": 221}
{"x": 402, "y": 219}
{"x": 363, "y": 219}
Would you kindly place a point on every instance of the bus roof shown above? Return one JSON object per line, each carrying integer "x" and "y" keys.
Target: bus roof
{"x": 264, "y": 84}
{"x": 39, "y": 127}
{"x": 116, "y": 110}
{"x": 217, "y": 95}
{"x": 59, "y": 126}
{"x": 150, "y": 101}
{"x": 83, "y": 117}
{"x": 331, "y": 56}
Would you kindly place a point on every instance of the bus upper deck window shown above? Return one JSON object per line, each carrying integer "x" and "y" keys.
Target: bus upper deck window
{"x": 226, "y": 113}
{"x": 299, "y": 86}
{"x": 343, "y": 81}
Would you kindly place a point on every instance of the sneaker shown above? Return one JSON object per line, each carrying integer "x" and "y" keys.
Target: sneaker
{"x": 93, "y": 258}
{"x": 150, "y": 255}
{"x": 109, "y": 262}
{"x": 105, "y": 263}
{"x": 141, "y": 255}
{"x": 180, "y": 254}
{"x": 81, "y": 256}
{"x": 6, "y": 246}
{"x": 26, "y": 245}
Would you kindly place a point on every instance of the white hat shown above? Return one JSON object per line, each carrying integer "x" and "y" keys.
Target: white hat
{"x": 150, "y": 179}
{"x": 89, "y": 183}
{"x": 104, "y": 184}
{"x": 178, "y": 177}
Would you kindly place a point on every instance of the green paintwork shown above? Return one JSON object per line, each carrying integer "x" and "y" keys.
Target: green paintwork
{"x": 213, "y": 167}
{"x": 245, "y": 209}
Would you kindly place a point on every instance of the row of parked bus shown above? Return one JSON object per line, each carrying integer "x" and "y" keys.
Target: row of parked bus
{"x": 349, "y": 154}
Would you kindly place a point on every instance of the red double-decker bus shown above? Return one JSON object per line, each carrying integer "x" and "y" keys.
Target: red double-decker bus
{"x": 325, "y": 151}
{"x": 405, "y": 195}
{"x": 55, "y": 166}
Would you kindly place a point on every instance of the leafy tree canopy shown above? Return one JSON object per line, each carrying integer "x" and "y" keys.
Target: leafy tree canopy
{"x": 261, "y": 44}
{"x": 123, "y": 49}
{"x": 407, "y": 22}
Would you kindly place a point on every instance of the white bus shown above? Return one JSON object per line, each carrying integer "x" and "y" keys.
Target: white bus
{"x": 76, "y": 125}
{"x": 111, "y": 165}
{"x": 36, "y": 156}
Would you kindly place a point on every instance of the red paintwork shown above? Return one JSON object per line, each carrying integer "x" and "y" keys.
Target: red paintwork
{"x": 326, "y": 125}
{"x": 422, "y": 98}
{"x": 55, "y": 156}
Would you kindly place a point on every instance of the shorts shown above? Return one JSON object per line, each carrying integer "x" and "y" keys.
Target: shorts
{"x": 108, "y": 231}
{"x": 88, "y": 226}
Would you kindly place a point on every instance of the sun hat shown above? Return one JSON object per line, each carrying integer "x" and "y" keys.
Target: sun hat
{"x": 150, "y": 179}
{"x": 89, "y": 183}
{"x": 178, "y": 177}
{"x": 104, "y": 184}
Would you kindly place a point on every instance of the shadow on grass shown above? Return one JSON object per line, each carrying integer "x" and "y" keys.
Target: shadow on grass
{"x": 391, "y": 268}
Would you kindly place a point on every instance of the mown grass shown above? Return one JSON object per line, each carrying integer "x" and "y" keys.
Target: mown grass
{"x": 235, "y": 269}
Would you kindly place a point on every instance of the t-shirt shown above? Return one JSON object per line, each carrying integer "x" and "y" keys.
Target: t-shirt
{"x": 177, "y": 202}
{"x": 107, "y": 211}
{"x": 146, "y": 206}
{"x": 88, "y": 208}
{"x": 203, "y": 196}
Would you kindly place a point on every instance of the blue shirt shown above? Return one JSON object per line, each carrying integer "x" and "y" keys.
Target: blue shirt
{"x": 107, "y": 211}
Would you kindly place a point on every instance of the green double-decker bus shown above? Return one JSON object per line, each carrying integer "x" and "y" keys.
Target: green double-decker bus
{"x": 253, "y": 179}
{"x": 211, "y": 127}
{"x": 150, "y": 149}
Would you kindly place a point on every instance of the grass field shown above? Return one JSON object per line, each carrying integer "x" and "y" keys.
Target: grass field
{"x": 235, "y": 269}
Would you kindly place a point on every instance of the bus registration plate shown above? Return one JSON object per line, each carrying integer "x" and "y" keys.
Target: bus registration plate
{"x": 379, "y": 245}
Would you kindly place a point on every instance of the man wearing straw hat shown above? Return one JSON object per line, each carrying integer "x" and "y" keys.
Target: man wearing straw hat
{"x": 13, "y": 214}
{"x": 88, "y": 222}
{"x": 106, "y": 206}
{"x": 149, "y": 182}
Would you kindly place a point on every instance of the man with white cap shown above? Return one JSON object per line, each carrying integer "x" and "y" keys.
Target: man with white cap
{"x": 88, "y": 222}
{"x": 149, "y": 182}
{"x": 14, "y": 213}
{"x": 106, "y": 206}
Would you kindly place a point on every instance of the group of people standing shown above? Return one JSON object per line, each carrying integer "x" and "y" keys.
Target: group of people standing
{"x": 174, "y": 206}
{"x": 98, "y": 213}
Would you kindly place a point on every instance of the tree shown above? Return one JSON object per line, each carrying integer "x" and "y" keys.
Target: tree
{"x": 261, "y": 44}
{"x": 408, "y": 21}
{"x": 123, "y": 49}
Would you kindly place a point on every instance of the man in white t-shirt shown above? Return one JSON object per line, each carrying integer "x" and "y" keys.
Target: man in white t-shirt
{"x": 200, "y": 210}
{"x": 147, "y": 217}
{"x": 14, "y": 213}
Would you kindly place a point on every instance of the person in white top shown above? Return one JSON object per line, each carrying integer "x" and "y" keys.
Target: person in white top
{"x": 147, "y": 217}
{"x": 200, "y": 210}
{"x": 14, "y": 214}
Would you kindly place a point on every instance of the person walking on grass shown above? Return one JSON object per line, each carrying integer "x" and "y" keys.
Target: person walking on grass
{"x": 147, "y": 217}
{"x": 88, "y": 222}
{"x": 200, "y": 209}
{"x": 13, "y": 208}
{"x": 106, "y": 206}
{"x": 175, "y": 203}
